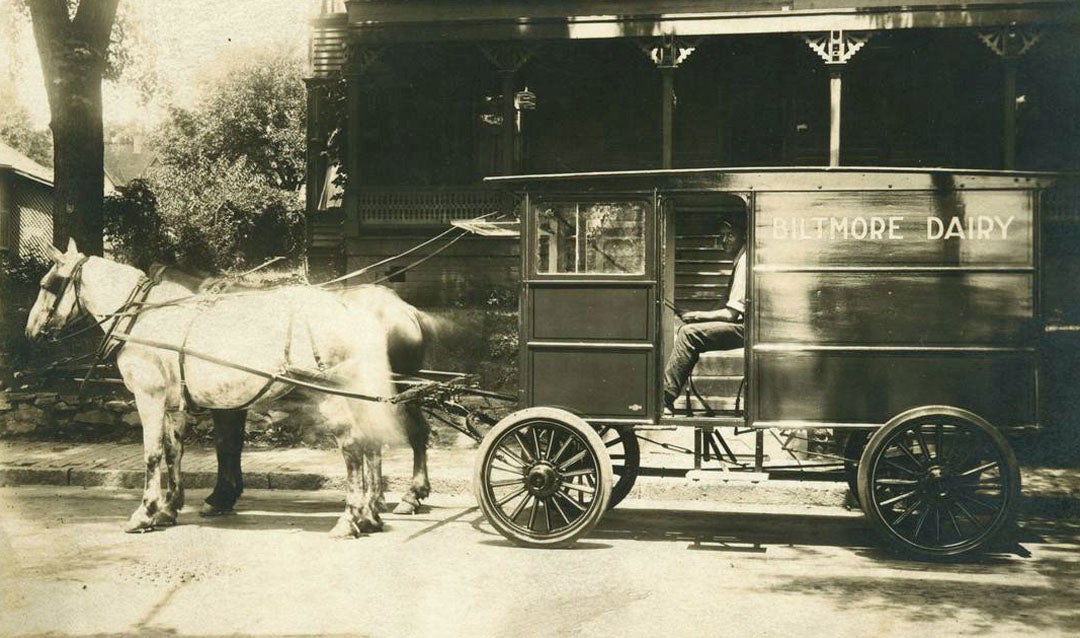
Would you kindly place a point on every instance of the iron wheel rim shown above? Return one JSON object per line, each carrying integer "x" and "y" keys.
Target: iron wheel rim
{"x": 541, "y": 479}
{"x": 942, "y": 479}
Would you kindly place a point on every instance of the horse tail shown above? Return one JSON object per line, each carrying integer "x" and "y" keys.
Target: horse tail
{"x": 433, "y": 328}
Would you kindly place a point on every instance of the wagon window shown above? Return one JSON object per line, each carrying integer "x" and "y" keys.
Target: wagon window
{"x": 584, "y": 237}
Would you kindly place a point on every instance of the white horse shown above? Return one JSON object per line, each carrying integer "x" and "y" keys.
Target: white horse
{"x": 299, "y": 330}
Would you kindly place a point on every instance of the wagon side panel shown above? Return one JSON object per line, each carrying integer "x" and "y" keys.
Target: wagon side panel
{"x": 868, "y": 303}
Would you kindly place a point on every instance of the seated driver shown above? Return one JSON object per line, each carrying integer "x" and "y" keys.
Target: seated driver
{"x": 705, "y": 331}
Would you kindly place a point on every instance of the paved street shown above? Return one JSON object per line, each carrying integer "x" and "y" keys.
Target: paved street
{"x": 651, "y": 569}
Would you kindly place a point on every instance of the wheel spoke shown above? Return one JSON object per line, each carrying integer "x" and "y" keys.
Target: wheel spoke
{"x": 971, "y": 499}
{"x": 569, "y": 500}
{"x": 919, "y": 524}
{"x": 895, "y": 481}
{"x": 897, "y": 498}
{"x": 550, "y": 444}
{"x": 509, "y": 497}
{"x": 903, "y": 469}
{"x": 529, "y": 458}
{"x": 939, "y": 431}
{"x": 952, "y": 520}
{"x": 513, "y": 457}
{"x": 978, "y": 469}
{"x": 585, "y": 472}
{"x": 518, "y": 481}
{"x": 506, "y": 468}
{"x": 907, "y": 512}
{"x": 967, "y": 514}
{"x": 521, "y": 507}
{"x": 903, "y": 448}
{"x": 922, "y": 444}
{"x": 532, "y": 514}
{"x": 572, "y": 460}
{"x": 584, "y": 489}
{"x": 562, "y": 450}
{"x": 558, "y": 509}
{"x": 547, "y": 513}
{"x": 937, "y": 524}
{"x": 536, "y": 442}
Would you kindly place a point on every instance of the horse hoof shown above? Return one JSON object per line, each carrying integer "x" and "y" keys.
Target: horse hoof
{"x": 163, "y": 519}
{"x": 407, "y": 507}
{"x": 139, "y": 526}
{"x": 345, "y": 528}
{"x": 369, "y": 526}
{"x": 207, "y": 510}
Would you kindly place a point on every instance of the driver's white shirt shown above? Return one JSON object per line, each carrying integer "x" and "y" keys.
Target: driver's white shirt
{"x": 737, "y": 295}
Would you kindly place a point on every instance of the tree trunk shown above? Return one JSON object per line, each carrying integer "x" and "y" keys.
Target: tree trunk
{"x": 78, "y": 163}
{"x": 73, "y": 51}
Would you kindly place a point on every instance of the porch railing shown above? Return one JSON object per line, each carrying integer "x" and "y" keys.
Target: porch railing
{"x": 429, "y": 206}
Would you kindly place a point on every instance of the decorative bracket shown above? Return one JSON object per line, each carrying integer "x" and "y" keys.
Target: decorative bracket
{"x": 668, "y": 52}
{"x": 506, "y": 57}
{"x": 1011, "y": 41}
{"x": 837, "y": 47}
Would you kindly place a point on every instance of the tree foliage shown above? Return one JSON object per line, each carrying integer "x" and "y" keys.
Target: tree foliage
{"x": 18, "y": 132}
{"x": 254, "y": 112}
{"x": 225, "y": 192}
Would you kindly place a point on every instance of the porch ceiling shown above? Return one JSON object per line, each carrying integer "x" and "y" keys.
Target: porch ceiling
{"x": 448, "y": 20}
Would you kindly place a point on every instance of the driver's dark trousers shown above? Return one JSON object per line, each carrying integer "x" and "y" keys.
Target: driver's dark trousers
{"x": 690, "y": 341}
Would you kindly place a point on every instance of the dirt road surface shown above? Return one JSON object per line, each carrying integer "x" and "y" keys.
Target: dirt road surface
{"x": 650, "y": 569}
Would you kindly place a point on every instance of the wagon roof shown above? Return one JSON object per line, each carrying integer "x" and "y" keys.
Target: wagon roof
{"x": 787, "y": 178}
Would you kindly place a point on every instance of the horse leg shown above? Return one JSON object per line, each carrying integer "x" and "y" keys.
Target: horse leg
{"x": 418, "y": 431}
{"x": 173, "y": 445}
{"x": 348, "y": 524}
{"x": 373, "y": 500}
{"x": 229, "y": 443}
{"x": 152, "y": 414}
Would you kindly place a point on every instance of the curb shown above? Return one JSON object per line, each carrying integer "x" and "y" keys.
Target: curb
{"x": 810, "y": 493}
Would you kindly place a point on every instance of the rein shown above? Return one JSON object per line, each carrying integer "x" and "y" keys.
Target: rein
{"x": 407, "y": 267}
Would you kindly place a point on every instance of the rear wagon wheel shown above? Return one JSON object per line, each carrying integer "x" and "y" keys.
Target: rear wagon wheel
{"x": 938, "y": 482}
{"x": 625, "y": 452}
{"x": 543, "y": 477}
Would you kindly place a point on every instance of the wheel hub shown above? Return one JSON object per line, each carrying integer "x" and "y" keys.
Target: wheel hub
{"x": 542, "y": 480}
{"x": 937, "y": 484}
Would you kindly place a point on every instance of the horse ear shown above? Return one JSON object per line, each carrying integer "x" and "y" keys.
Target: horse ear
{"x": 54, "y": 253}
{"x": 72, "y": 248}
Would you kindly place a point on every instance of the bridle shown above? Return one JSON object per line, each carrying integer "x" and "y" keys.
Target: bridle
{"x": 59, "y": 285}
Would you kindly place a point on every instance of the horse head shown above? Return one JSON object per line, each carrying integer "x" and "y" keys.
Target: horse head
{"x": 57, "y": 303}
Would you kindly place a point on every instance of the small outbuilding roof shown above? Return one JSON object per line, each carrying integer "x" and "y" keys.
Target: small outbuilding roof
{"x": 15, "y": 161}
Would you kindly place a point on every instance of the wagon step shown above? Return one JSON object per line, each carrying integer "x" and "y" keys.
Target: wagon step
{"x": 726, "y": 476}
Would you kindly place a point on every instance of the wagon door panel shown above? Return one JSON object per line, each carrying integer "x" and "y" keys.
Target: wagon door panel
{"x": 589, "y": 312}
{"x": 869, "y": 303}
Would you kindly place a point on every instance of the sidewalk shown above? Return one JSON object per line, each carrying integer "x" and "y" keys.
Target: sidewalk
{"x": 116, "y": 465}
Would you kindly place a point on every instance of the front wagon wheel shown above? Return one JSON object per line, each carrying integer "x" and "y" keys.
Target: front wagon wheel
{"x": 938, "y": 482}
{"x": 543, "y": 477}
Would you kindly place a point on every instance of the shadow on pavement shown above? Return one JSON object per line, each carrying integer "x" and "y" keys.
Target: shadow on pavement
{"x": 734, "y": 529}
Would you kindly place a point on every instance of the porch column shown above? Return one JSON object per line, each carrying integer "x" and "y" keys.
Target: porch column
{"x": 1010, "y": 43}
{"x": 507, "y": 58}
{"x": 667, "y": 53}
{"x": 836, "y": 48}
